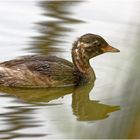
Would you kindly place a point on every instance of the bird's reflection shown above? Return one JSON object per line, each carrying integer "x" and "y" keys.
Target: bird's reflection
{"x": 83, "y": 107}
{"x": 37, "y": 95}
{"x": 86, "y": 109}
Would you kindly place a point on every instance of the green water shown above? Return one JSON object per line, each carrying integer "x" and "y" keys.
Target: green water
{"x": 110, "y": 108}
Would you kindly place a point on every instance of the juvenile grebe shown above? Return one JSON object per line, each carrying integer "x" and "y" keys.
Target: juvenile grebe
{"x": 51, "y": 71}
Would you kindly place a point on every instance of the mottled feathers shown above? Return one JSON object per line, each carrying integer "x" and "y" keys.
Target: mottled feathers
{"x": 42, "y": 71}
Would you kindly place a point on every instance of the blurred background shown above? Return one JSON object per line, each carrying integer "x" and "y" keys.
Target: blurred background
{"x": 50, "y": 27}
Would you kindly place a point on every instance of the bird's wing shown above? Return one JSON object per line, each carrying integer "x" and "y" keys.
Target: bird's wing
{"x": 38, "y": 71}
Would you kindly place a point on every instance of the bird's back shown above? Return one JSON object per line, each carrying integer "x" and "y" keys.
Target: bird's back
{"x": 37, "y": 71}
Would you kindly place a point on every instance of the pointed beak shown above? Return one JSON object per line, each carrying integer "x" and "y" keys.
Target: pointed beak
{"x": 110, "y": 49}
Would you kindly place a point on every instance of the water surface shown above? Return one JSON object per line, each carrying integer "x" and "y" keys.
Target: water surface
{"x": 110, "y": 108}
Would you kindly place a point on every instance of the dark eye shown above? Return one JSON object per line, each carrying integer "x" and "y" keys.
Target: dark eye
{"x": 97, "y": 43}
{"x": 87, "y": 41}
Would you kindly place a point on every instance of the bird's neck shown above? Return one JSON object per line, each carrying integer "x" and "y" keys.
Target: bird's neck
{"x": 81, "y": 64}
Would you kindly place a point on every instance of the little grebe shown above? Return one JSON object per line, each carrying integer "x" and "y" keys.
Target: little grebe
{"x": 51, "y": 71}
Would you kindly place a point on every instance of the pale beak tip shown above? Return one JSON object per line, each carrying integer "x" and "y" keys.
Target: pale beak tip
{"x": 117, "y": 50}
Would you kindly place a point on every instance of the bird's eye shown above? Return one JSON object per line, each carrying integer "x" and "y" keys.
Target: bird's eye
{"x": 87, "y": 41}
{"x": 97, "y": 43}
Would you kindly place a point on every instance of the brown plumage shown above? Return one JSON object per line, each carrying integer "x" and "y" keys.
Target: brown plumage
{"x": 51, "y": 71}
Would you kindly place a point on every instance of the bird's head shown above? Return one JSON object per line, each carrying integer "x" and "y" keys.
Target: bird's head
{"x": 91, "y": 45}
